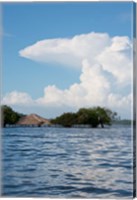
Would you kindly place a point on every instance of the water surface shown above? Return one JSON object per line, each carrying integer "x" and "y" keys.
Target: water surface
{"x": 67, "y": 162}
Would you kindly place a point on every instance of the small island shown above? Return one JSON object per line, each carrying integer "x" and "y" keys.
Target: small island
{"x": 89, "y": 117}
{"x": 84, "y": 117}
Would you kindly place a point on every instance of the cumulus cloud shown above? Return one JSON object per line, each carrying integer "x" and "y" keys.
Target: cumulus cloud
{"x": 67, "y": 51}
{"x": 17, "y": 98}
{"x": 106, "y": 71}
{"x": 92, "y": 89}
{"x": 113, "y": 54}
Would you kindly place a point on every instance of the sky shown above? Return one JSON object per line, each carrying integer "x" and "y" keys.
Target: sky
{"x": 59, "y": 57}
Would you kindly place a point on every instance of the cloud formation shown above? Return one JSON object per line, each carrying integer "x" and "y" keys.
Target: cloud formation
{"x": 106, "y": 71}
{"x": 17, "y": 98}
{"x": 111, "y": 53}
{"x": 67, "y": 51}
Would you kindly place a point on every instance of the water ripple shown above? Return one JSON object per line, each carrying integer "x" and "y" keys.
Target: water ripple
{"x": 67, "y": 163}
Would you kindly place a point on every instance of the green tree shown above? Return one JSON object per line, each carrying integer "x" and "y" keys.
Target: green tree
{"x": 91, "y": 116}
{"x": 9, "y": 116}
{"x": 66, "y": 119}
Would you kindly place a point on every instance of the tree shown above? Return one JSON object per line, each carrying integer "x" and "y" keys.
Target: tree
{"x": 87, "y": 116}
{"x": 91, "y": 116}
{"x": 9, "y": 116}
{"x": 66, "y": 119}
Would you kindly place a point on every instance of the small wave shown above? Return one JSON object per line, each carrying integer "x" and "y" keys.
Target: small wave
{"x": 67, "y": 163}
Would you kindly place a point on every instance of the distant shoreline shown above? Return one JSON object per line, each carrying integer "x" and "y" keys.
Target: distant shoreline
{"x": 84, "y": 118}
{"x": 59, "y": 126}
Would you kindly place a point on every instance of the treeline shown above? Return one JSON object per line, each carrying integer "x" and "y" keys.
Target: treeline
{"x": 86, "y": 116}
{"x": 9, "y": 116}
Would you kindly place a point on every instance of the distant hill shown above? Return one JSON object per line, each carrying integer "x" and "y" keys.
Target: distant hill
{"x": 33, "y": 119}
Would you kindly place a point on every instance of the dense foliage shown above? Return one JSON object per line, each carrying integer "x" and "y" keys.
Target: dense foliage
{"x": 9, "y": 116}
{"x": 87, "y": 116}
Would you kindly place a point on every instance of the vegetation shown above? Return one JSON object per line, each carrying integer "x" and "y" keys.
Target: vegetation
{"x": 9, "y": 116}
{"x": 66, "y": 119}
{"x": 87, "y": 116}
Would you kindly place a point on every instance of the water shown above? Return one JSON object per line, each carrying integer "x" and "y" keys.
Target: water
{"x": 67, "y": 162}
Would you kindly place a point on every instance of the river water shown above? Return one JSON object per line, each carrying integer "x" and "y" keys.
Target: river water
{"x": 67, "y": 162}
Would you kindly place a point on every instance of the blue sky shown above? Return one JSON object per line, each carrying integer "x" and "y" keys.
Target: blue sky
{"x": 26, "y": 23}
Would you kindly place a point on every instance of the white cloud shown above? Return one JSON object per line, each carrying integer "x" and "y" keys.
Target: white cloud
{"x": 116, "y": 59}
{"x": 17, "y": 98}
{"x": 89, "y": 91}
{"x": 113, "y": 54}
{"x": 106, "y": 72}
{"x": 68, "y": 51}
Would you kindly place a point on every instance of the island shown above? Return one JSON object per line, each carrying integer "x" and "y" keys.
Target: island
{"x": 84, "y": 117}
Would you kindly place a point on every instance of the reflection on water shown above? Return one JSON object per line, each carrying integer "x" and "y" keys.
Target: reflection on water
{"x": 67, "y": 163}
